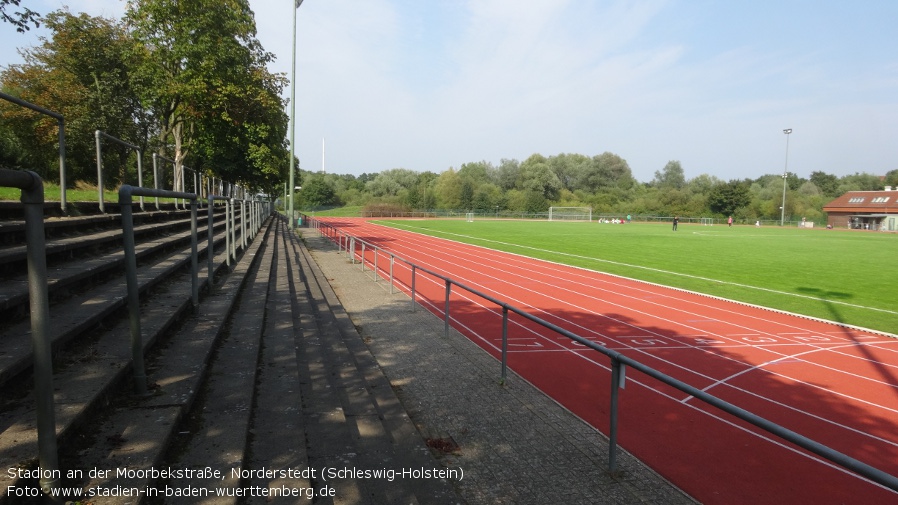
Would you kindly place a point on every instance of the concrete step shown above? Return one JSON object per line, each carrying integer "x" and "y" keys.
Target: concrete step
{"x": 97, "y": 368}
{"x": 197, "y": 418}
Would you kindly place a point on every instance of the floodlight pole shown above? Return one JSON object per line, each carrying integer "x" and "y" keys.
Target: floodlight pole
{"x": 293, "y": 119}
{"x": 787, "y": 131}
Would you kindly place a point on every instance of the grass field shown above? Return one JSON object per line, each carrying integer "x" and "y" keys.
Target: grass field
{"x": 842, "y": 276}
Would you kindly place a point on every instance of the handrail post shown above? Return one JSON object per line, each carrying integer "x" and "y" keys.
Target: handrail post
{"x": 60, "y": 121}
{"x": 413, "y": 287}
{"x": 446, "y": 319}
{"x": 125, "y": 194}
{"x": 504, "y": 342}
{"x": 363, "y": 257}
{"x": 32, "y": 198}
{"x": 140, "y": 376}
{"x": 156, "y": 176}
{"x": 209, "y": 240}
{"x": 100, "y": 172}
{"x": 227, "y": 204}
{"x": 617, "y": 382}
{"x": 233, "y": 235}
{"x": 194, "y": 268}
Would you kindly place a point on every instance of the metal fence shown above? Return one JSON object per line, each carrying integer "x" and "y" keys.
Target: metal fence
{"x": 365, "y": 252}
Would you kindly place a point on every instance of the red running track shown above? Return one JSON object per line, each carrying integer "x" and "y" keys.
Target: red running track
{"x": 836, "y": 385}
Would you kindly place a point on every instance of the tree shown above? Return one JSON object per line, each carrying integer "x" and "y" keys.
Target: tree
{"x": 448, "y": 188}
{"x": 203, "y": 75}
{"x": 607, "y": 170}
{"x": 507, "y": 174}
{"x": 316, "y": 192}
{"x": 826, "y": 183}
{"x": 671, "y": 177}
{"x": 892, "y": 178}
{"x": 391, "y": 182}
{"x": 81, "y": 72}
{"x": 537, "y": 177}
{"x": 19, "y": 19}
{"x": 727, "y": 198}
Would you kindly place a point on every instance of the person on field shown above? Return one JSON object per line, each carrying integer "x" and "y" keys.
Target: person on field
{"x": 730, "y": 222}
{"x": 675, "y": 221}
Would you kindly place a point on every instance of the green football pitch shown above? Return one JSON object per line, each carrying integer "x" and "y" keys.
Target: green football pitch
{"x": 837, "y": 275}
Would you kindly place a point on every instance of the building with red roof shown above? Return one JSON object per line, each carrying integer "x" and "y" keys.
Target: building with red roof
{"x": 864, "y": 210}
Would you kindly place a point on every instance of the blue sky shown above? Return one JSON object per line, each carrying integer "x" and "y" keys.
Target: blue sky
{"x": 432, "y": 84}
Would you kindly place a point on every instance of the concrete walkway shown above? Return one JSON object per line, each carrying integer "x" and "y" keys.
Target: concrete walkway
{"x": 513, "y": 444}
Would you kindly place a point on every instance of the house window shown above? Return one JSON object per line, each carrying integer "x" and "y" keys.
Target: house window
{"x": 857, "y": 199}
{"x": 881, "y": 199}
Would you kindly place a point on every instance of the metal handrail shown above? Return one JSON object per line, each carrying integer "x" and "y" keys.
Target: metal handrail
{"x": 125, "y": 202}
{"x": 618, "y": 363}
{"x": 33, "y": 201}
{"x": 100, "y": 180}
{"x": 61, "y": 122}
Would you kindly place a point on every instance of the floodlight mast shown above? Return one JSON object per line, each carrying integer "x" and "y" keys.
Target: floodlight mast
{"x": 787, "y": 131}
{"x": 293, "y": 119}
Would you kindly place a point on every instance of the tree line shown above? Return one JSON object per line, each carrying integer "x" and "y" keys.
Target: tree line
{"x": 186, "y": 80}
{"x": 603, "y": 182}
{"x": 189, "y": 81}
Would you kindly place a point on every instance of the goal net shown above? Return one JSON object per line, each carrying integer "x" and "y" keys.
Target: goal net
{"x": 469, "y": 217}
{"x": 570, "y": 213}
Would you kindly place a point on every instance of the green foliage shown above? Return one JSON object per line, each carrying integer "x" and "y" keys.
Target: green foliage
{"x": 726, "y": 199}
{"x": 203, "y": 74}
{"x": 81, "y": 72}
{"x": 316, "y": 192}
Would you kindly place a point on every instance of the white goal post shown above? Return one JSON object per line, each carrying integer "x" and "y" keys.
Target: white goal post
{"x": 570, "y": 213}
{"x": 469, "y": 217}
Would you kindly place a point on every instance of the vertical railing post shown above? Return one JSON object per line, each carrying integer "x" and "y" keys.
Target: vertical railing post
{"x": 363, "y": 257}
{"x": 194, "y": 268}
{"x": 375, "y": 263}
{"x": 140, "y": 173}
{"x": 140, "y": 376}
{"x": 156, "y": 176}
{"x": 62, "y": 169}
{"x": 100, "y": 172}
{"x": 617, "y": 382}
{"x": 446, "y": 320}
{"x": 228, "y": 230}
{"x": 504, "y": 342}
{"x": 32, "y": 198}
{"x": 413, "y": 287}
{"x": 210, "y": 241}
{"x": 60, "y": 121}
{"x": 243, "y": 223}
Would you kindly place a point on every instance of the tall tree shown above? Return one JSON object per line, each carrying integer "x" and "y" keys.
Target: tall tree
{"x": 538, "y": 178}
{"x": 671, "y": 177}
{"x": 827, "y": 183}
{"x": 203, "y": 75}
{"x": 727, "y": 198}
{"x": 81, "y": 72}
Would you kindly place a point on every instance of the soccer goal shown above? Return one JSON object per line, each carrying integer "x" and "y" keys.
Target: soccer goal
{"x": 707, "y": 221}
{"x": 570, "y": 213}
{"x": 469, "y": 217}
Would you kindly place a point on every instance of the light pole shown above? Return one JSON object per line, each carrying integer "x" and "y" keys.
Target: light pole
{"x": 787, "y": 131}
{"x": 293, "y": 119}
